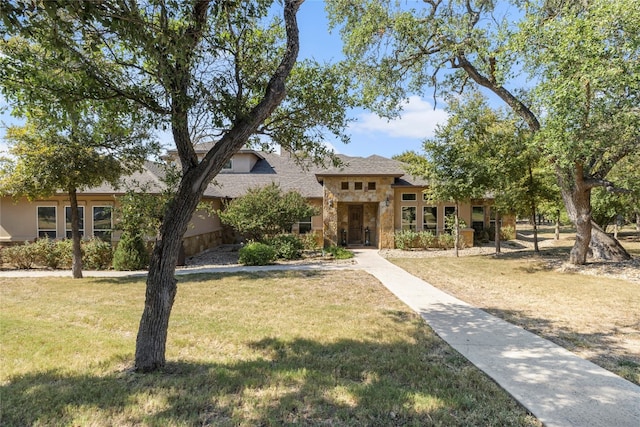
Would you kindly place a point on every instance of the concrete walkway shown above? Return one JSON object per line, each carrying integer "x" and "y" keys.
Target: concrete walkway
{"x": 555, "y": 385}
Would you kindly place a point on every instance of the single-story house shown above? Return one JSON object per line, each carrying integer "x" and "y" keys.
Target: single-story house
{"x": 361, "y": 203}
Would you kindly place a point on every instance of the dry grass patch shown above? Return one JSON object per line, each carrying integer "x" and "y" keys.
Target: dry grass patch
{"x": 595, "y": 317}
{"x": 277, "y": 348}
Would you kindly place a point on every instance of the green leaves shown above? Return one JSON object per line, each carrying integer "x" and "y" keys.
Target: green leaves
{"x": 265, "y": 212}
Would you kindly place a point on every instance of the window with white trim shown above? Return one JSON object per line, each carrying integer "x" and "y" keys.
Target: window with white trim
{"x": 47, "y": 222}
{"x": 102, "y": 222}
{"x": 430, "y": 218}
{"x": 409, "y": 218}
{"x": 67, "y": 221}
{"x": 409, "y": 197}
{"x": 304, "y": 225}
{"x": 449, "y": 212}
{"x": 477, "y": 218}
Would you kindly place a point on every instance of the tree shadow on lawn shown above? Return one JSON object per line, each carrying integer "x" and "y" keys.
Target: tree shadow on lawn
{"x": 420, "y": 381}
{"x": 605, "y": 349}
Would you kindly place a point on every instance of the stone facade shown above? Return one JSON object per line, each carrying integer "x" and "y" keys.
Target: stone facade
{"x": 369, "y": 201}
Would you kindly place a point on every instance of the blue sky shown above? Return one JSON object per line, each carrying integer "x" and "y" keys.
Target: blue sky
{"x": 369, "y": 134}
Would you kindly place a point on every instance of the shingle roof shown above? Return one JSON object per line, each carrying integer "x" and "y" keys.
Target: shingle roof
{"x": 150, "y": 178}
{"x": 274, "y": 168}
{"x": 271, "y": 168}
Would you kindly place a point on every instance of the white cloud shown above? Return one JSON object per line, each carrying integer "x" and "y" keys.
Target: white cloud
{"x": 418, "y": 119}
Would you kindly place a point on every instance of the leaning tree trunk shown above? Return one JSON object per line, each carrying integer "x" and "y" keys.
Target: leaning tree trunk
{"x": 76, "y": 261}
{"x": 605, "y": 247}
{"x": 161, "y": 282}
{"x": 577, "y": 200}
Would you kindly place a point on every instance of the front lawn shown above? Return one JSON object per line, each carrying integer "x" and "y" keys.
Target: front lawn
{"x": 274, "y": 348}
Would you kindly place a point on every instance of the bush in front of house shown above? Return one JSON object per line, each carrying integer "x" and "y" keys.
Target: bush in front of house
{"x": 339, "y": 252}
{"x": 310, "y": 242}
{"x": 96, "y": 254}
{"x": 447, "y": 241}
{"x": 131, "y": 253}
{"x": 287, "y": 246}
{"x": 52, "y": 254}
{"x": 56, "y": 254}
{"x": 405, "y": 239}
{"x": 409, "y": 239}
{"x": 22, "y": 257}
{"x": 507, "y": 232}
{"x": 256, "y": 253}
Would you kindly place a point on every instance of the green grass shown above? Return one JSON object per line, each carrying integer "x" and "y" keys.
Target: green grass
{"x": 296, "y": 348}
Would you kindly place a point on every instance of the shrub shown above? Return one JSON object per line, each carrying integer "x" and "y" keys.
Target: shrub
{"x": 21, "y": 256}
{"x": 427, "y": 239}
{"x": 256, "y": 253}
{"x": 98, "y": 254}
{"x": 339, "y": 252}
{"x": 446, "y": 241}
{"x": 405, "y": 239}
{"x": 47, "y": 253}
{"x": 286, "y": 246}
{"x": 265, "y": 211}
{"x": 131, "y": 253}
{"x": 64, "y": 249}
{"x": 310, "y": 241}
{"x": 507, "y": 232}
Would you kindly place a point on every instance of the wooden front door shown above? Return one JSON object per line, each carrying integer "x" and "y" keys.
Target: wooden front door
{"x": 355, "y": 225}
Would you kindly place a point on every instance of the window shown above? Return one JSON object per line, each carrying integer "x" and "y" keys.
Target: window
{"x": 371, "y": 186}
{"x": 409, "y": 218}
{"x": 227, "y": 166}
{"x": 67, "y": 220}
{"x": 102, "y": 224}
{"x": 449, "y": 215}
{"x": 477, "y": 218}
{"x": 430, "y": 218}
{"x": 344, "y": 185}
{"x": 357, "y": 186}
{"x": 47, "y": 222}
{"x": 409, "y": 197}
{"x": 304, "y": 225}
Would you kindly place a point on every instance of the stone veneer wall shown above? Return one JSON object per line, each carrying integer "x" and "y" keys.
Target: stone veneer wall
{"x": 376, "y": 214}
{"x": 195, "y": 244}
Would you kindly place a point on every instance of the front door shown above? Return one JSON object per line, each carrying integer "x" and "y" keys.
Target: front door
{"x": 355, "y": 225}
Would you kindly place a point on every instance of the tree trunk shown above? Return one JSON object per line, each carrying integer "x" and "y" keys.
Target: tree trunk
{"x": 577, "y": 200}
{"x": 638, "y": 222}
{"x": 76, "y": 262}
{"x": 161, "y": 281}
{"x": 557, "y": 236}
{"x": 590, "y": 239}
{"x": 536, "y": 248}
{"x": 496, "y": 234}
{"x": 605, "y": 247}
{"x": 456, "y": 240}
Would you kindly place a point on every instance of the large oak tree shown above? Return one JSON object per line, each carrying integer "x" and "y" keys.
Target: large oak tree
{"x": 569, "y": 69}
{"x": 207, "y": 71}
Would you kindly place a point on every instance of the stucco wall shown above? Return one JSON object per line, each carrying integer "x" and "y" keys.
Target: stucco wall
{"x": 19, "y": 218}
{"x": 18, "y": 221}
